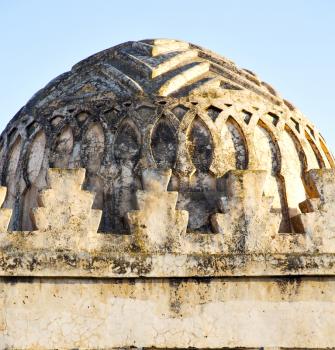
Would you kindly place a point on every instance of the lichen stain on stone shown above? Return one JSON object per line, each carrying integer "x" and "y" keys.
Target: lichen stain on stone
{"x": 170, "y": 201}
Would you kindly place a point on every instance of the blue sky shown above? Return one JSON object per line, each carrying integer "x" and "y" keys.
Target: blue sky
{"x": 289, "y": 44}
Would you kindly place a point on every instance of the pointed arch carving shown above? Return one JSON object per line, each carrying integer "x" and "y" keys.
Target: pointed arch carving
{"x": 315, "y": 151}
{"x": 35, "y": 173}
{"x": 35, "y": 156}
{"x": 127, "y": 154}
{"x": 62, "y": 148}
{"x": 246, "y": 129}
{"x": 294, "y": 167}
{"x": 92, "y": 153}
{"x": 200, "y": 145}
{"x": 269, "y": 159}
{"x": 93, "y": 147}
{"x": 327, "y": 153}
{"x": 239, "y": 143}
{"x": 164, "y": 143}
{"x": 12, "y": 164}
{"x": 13, "y": 180}
{"x": 127, "y": 144}
{"x": 185, "y": 164}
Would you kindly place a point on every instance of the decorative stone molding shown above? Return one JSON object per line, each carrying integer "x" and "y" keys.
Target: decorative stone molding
{"x": 165, "y": 283}
{"x": 157, "y": 225}
{"x": 247, "y": 241}
{"x": 67, "y": 217}
{"x": 246, "y": 221}
{"x": 317, "y": 218}
{"x": 238, "y": 130}
{"x": 5, "y": 213}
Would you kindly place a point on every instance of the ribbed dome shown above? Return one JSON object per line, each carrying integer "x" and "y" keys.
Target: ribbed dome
{"x": 165, "y": 104}
{"x": 152, "y": 67}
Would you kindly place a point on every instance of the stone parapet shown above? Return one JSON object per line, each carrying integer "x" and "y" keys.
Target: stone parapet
{"x": 67, "y": 241}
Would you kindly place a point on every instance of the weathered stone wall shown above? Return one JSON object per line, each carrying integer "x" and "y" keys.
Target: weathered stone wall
{"x": 158, "y": 196}
{"x": 167, "y": 313}
{"x": 67, "y": 286}
{"x": 247, "y": 228}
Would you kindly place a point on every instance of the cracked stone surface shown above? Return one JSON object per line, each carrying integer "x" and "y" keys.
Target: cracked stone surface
{"x": 232, "y": 313}
{"x": 159, "y": 196}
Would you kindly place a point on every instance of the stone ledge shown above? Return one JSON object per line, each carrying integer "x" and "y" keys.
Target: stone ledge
{"x": 121, "y": 265}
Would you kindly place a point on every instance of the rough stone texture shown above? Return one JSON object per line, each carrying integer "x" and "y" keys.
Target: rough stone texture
{"x": 157, "y": 226}
{"x": 66, "y": 211}
{"x": 5, "y": 214}
{"x": 158, "y": 104}
{"x": 247, "y": 222}
{"x": 247, "y": 242}
{"x": 158, "y": 196}
{"x": 185, "y": 313}
{"x": 318, "y": 211}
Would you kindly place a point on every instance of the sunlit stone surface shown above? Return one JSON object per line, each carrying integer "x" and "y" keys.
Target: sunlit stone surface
{"x": 159, "y": 196}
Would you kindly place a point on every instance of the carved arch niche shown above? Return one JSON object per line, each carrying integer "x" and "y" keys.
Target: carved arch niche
{"x": 234, "y": 145}
{"x": 269, "y": 159}
{"x": 164, "y": 143}
{"x": 127, "y": 145}
{"x": 36, "y": 176}
{"x": 91, "y": 155}
{"x": 12, "y": 179}
{"x": 127, "y": 152}
{"x": 62, "y": 148}
{"x": 200, "y": 148}
{"x": 314, "y": 157}
{"x": 294, "y": 165}
{"x": 199, "y": 198}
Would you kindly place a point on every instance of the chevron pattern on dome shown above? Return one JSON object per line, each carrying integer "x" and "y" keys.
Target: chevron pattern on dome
{"x": 158, "y": 67}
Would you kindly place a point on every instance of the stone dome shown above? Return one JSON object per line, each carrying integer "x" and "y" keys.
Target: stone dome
{"x": 159, "y": 104}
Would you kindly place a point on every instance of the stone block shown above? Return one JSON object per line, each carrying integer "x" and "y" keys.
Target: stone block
{"x": 66, "y": 216}
{"x": 246, "y": 221}
{"x": 317, "y": 218}
{"x": 157, "y": 225}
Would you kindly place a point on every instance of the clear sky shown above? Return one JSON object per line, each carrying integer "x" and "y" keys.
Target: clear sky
{"x": 288, "y": 43}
